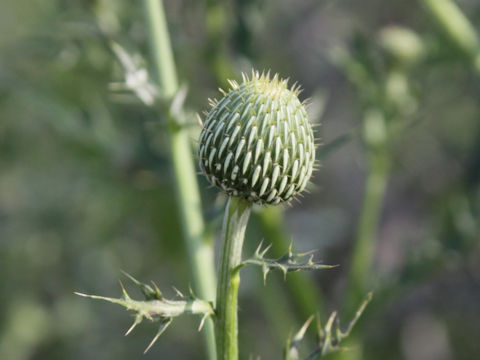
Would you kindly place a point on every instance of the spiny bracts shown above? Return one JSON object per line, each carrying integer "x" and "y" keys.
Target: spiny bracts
{"x": 257, "y": 142}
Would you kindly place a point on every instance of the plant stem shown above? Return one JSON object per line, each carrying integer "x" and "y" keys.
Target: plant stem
{"x": 457, "y": 27}
{"x": 161, "y": 48}
{"x": 364, "y": 248}
{"x": 363, "y": 251}
{"x": 200, "y": 248}
{"x": 235, "y": 221}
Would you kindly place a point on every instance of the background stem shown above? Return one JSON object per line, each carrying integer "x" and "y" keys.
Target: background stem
{"x": 456, "y": 26}
{"x": 359, "y": 276}
{"x": 200, "y": 248}
{"x": 161, "y": 50}
{"x": 235, "y": 222}
{"x": 364, "y": 248}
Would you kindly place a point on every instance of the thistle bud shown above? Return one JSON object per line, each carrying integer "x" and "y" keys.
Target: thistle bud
{"x": 257, "y": 142}
{"x": 402, "y": 44}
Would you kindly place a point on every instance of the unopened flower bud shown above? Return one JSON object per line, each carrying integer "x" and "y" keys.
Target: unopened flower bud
{"x": 402, "y": 44}
{"x": 257, "y": 142}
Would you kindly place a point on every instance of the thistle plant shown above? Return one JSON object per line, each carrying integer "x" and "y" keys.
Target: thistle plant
{"x": 258, "y": 147}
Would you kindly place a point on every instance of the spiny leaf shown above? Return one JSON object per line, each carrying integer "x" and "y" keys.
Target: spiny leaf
{"x": 329, "y": 336}
{"x": 137, "y": 81}
{"x": 136, "y": 78}
{"x": 290, "y": 262}
{"x": 156, "y": 308}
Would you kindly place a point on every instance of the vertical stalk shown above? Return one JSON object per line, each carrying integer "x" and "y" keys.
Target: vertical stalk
{"x": 375, "y": 136}
{"x": 160, "y": 47}
{"x": 456, "y": 26}
{"x": 200, "y": 249}
{"x": 364, "y": 248}
{"x": 235, "y": 222}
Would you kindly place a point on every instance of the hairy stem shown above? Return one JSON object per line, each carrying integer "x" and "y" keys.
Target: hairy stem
{"x": 235, "y": 222}
{"x": 200, "y": 248}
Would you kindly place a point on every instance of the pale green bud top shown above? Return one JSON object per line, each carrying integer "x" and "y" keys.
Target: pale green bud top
{"x": 257, "y": 142}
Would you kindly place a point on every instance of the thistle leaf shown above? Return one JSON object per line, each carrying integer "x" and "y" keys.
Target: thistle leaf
{"x": 329, "y": 336}
{"x": 155, "y": 307}
{"x": 136, "y": 78}
{"x": 290, "y": 262}
{"x": 138, "y": 82}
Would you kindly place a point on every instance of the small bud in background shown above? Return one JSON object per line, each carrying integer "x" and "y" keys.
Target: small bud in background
{"x": 375, "y": 132}
{"x": 398, "y": 91}
{"x": 402, "y": 44}
{"x": 257, "y": 142}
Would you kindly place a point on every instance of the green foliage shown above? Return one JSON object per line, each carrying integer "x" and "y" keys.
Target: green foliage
{"x": 156, "y": 308}
{"x": 290, "y": 262}
{"x": 87, "y": 185}
{"x": 329, "y": 336}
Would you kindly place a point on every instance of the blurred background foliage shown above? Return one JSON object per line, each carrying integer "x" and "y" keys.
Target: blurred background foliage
{"x": 86, "y": 187}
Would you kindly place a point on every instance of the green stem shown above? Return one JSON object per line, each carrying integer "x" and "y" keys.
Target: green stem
{"x": 200, "y": 248}
{"x": 235, "y": 222}
{"x": 364, "y": 248}
{"x": 161, "y": 48}
{"x": 456, "y": 26}
{"x": 363, "y": 251}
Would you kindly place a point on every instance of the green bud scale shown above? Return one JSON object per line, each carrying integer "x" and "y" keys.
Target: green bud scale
{"x": 257, "y": 142}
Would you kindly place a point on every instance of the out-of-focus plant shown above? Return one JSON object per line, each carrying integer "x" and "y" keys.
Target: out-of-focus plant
{"x": 453, "y": 23}
{"x": 382, "y": 77}
{"x": 380, "y": 74}
{"x": 387, "y": 103}
{"x": 329, "y": 336}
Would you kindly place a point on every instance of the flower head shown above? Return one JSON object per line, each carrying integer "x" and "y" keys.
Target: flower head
{"x": 257, "y": 142}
